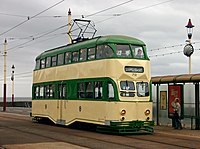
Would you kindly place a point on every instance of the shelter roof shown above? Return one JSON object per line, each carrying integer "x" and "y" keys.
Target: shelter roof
{"x": 183, "y": 78}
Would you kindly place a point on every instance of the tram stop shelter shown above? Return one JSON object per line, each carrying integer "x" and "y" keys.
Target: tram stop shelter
{"x": 175, "y": 89}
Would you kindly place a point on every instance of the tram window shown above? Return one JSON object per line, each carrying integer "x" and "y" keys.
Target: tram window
{"x": 98, "y": 90}
{"x": 60, "y": 59}
{"x": 142, "y": 89}
{"x": 104, "y": 51}
{"x": 123, "y": 51}
{"x": 110, "y": 90}
{"x": 127, "y": 85}
{"x": 137, "y": 51}
{"x": 53, "y": 61}
{"x": 37, "y": 91}
{"x": 81, "y": 90}
{"x": 68, "y": 57}
{"x": 37, "y": 64}
{"x": 47, "y": 91}
{"x": 108, "y": 51}
{"x": 83, "y": 54}
{"x": 48, "y": 61}
{"x": 91, "y": 53}
{"x": 75, "y": 57}
{"x": 51, "y": 91}
{"x": 127, "y": 94}
{"x": 62, "y": 91}
{"x": 42, "y": 62}
{"x": 89, "y": 90}
{"x": 99, "y": 53}
{"x": 41, "y": 91}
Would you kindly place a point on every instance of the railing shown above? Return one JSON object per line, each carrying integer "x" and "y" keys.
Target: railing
{"x": 197, "y": 121}
{"x": 27, "y": 104}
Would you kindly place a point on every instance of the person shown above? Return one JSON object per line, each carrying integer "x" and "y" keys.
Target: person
{"x": 139, "y": 54}
{"x": 177, "y": 113}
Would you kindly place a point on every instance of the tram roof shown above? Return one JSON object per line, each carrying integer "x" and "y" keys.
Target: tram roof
{"x": 183, "y": 78}
{"x": 92, "y": 43}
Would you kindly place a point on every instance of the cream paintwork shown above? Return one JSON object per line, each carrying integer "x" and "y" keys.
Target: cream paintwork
{"x": 91, "y": 111}
{"x": 112, "y": 68}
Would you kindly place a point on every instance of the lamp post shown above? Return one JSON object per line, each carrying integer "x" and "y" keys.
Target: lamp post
{"x": 188, "y": 49}
{"x": 12, "y": 79}
{"x": 4, "y": 70}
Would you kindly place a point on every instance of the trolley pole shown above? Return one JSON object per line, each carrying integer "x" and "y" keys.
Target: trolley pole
{"x": 69, "y": 26}
{"x": 4, "y": 87}
{"x": 12, "y": 79}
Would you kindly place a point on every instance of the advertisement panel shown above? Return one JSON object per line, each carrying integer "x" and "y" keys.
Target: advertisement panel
{"x": 174, "y": 91}
{"x": 163, "y": 100}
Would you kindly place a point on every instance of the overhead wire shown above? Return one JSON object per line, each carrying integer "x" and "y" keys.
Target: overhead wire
{"x": 34, "y": 38}
{"x": 125, "y": 13}
{"x": 108, "y": 8}
{"x": 29, "y": 18}
{"x": 170, "y": 53}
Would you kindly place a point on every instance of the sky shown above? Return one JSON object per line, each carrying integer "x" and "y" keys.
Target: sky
{"x": 159, "y": 23}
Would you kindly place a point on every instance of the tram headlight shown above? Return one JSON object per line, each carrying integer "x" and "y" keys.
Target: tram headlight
{"x": 123, "y": 112}
{"x": 147, "y": 112}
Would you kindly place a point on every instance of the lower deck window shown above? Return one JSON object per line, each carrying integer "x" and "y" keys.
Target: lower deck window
{"x": 62, "y": 91}
{"x": 127, "y": 88}
{"x": 127, "y": 94}
{"x": 110, "y": 91}
{"x": 142, "y": 89}
{"x": 98, "y": 90}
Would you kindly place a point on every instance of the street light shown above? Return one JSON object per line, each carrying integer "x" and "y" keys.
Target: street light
{"x": 188, "y": 49}
{"x": 189, "y": 27}
{"x": 12, "y": 79}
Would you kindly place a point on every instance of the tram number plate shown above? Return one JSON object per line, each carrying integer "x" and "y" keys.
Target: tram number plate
{"x": 136, "y": 69}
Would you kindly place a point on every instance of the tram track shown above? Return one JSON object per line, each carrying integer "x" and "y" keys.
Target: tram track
{"x": 93, "y": 139}
{"x": 160, "y": 140}
{"x": 48, "y": 136}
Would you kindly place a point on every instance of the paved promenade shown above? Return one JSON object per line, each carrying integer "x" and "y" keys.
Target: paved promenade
{"x": 158, "y": 129}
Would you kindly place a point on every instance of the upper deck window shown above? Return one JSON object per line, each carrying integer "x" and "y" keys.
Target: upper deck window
{"x": 53, "y": 61}
{"x": 42, "y": 62}
{"x": 75, "y": 56}
{"x": 91, "y": 53}
{"x": 60, "y": 59}
{"x": 37, "y": 64}
{"x": 68, "y": 57}
{"x": 123, "y": 51}
{"x": 137, "y": 51}
{"x": 83, "y": 54}
{"x": 104, "y": 51}
{"x": 48, "y": 61}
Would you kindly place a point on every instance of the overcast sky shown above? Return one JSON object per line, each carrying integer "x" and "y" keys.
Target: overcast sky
{"x": 159, "y": 23}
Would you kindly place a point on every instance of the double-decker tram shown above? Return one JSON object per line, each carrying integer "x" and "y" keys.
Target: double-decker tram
{"x": 103, "y": 81}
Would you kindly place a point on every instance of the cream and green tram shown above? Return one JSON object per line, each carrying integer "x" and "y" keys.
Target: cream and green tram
{"x": 103, "y": 81}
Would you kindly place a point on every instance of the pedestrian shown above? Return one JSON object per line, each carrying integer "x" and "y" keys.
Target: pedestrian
{"x": 139, "y": 54}
{"x": 177, "y": 113}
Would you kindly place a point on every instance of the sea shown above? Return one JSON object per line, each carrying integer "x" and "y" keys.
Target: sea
{"x": 9, "y": 99}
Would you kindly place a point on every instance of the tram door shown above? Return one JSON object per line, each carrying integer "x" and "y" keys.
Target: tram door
{"x": 60, "y": 102}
